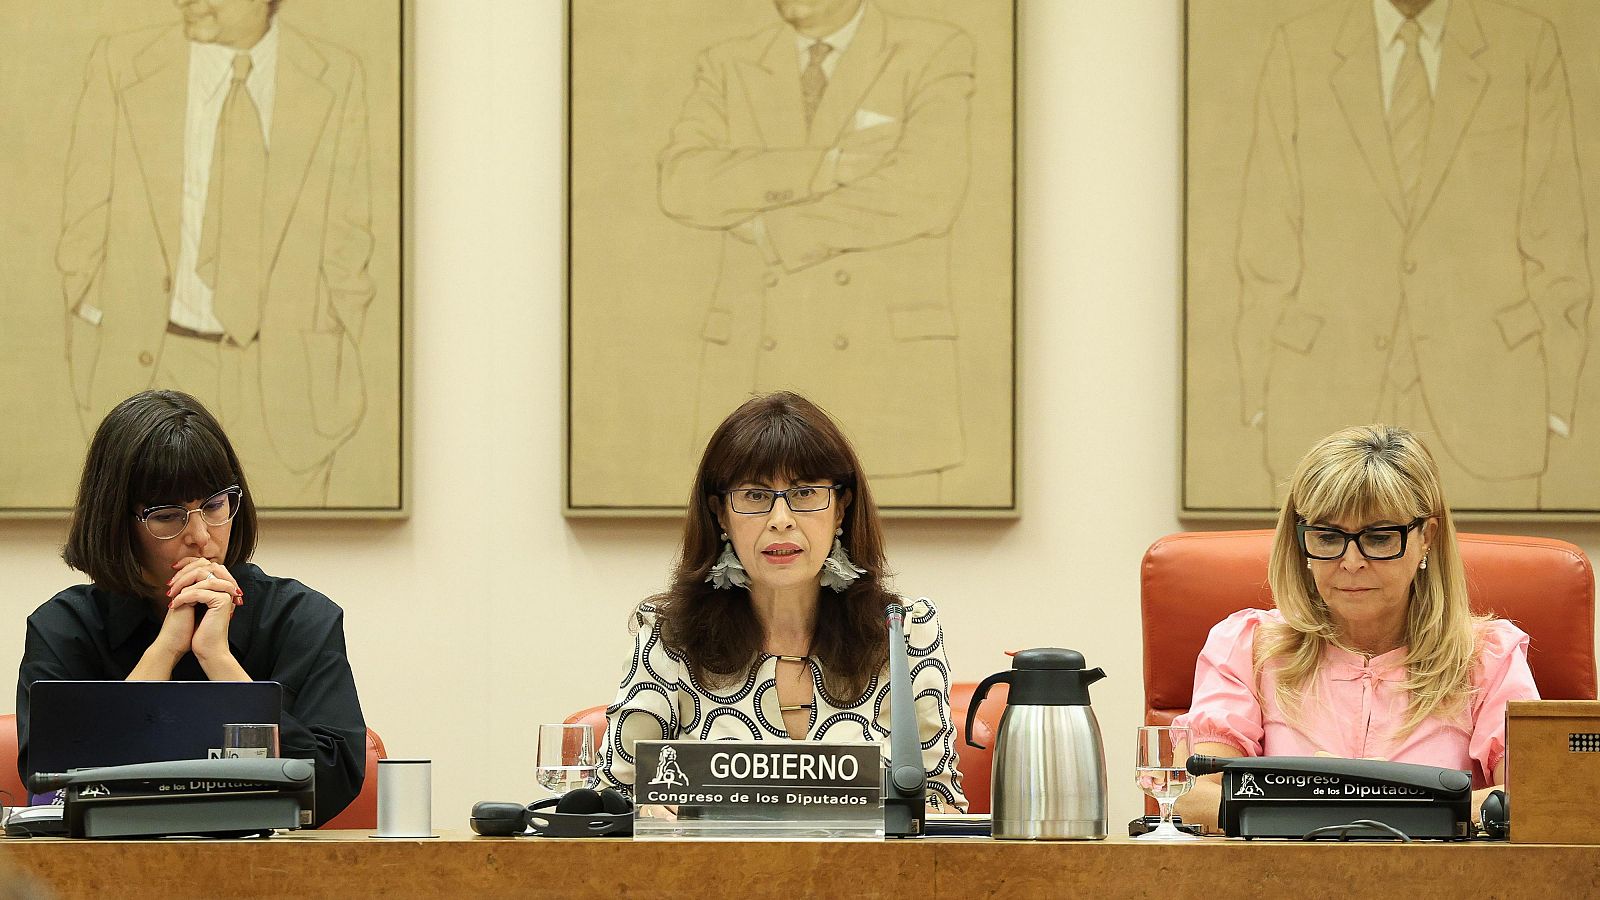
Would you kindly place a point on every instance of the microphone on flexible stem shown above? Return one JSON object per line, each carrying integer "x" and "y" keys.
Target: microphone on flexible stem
{"x": 905, "y": 783}
{"x": 1207, "y": 765}
{"x": 40, "y": 782}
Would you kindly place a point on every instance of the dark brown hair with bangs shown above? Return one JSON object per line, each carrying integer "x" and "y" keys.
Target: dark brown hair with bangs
{"x": 154, "y": 448}
{"x": 773, "y": 437}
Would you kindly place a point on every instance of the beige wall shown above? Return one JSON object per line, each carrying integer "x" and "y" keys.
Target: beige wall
{"x": 468, "y": 626}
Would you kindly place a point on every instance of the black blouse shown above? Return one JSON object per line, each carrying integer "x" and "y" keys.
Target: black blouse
{"x": 284, "y": 632}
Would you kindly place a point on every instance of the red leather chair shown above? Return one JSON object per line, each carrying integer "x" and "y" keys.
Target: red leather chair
{"x": 1193, "y": 580}
{"x": 594, "y": 717}
{"x": 975, "y": 764}
{"x": 362, "y": 813}
{"x": 12, "y": 793}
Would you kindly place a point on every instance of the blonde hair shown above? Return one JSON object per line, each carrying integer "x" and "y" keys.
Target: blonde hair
{"x": 1365, "y": 473}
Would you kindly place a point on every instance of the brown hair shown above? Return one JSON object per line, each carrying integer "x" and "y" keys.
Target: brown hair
{"x": 154, "y": 448}
{"x": 779, "y": 435}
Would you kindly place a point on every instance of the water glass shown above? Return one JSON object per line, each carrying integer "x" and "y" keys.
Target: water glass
{"x": 250, "y": 740}
{"x": 1159, "y": 759}
{"x": 566, "y": 758}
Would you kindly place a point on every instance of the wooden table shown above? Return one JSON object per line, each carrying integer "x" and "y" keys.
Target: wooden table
{"x": 350, "y": 864}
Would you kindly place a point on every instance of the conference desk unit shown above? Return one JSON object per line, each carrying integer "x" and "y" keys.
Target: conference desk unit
{"x": 351, "y": 864}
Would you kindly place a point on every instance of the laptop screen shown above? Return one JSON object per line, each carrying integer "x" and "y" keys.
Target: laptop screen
{"x": 73, "y": 724}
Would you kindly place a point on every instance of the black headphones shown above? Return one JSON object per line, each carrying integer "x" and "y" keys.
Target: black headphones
{"x": 577, "y": 813}
{"x": 582, "y": 813}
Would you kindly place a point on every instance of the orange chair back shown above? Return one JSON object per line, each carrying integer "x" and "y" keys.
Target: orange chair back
{"x": 12, "y": 793}
{"x": 1193, "y": 580}
{"x": 975, "y": 764}
{"x": 594, "y": 717}
{"x": 362, "y": 813}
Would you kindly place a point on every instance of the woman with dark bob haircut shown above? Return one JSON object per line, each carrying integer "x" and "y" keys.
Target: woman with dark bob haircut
{"x": 164, "y": 526}
{"x": 773, "y": 626}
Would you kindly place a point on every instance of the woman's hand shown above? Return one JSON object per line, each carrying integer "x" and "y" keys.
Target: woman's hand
{"x": 1498, "y": 776}
{"x": 173, "y": 641}
{"x": 203, "y": 584}
{"x": 1199, "y": 804}
{"x": 176, "y": 636}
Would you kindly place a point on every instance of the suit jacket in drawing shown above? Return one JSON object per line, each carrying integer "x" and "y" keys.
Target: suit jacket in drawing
{"x": 120, "y": 233}
{"x": 857, "y": 314}
{"x": 1490, "y": 268}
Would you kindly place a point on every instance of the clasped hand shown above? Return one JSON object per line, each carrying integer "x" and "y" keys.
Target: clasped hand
{"x": 199, "y": 584}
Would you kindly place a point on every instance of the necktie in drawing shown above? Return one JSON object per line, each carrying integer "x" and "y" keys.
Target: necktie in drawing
{"x": 813, "y": 81}
{"x": 1410, "y": 109}
{"x": 230, "y": 234}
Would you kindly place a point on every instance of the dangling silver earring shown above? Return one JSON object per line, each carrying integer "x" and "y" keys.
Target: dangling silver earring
{"x": 728, "y": 571}
{"x": 838, "y": 572}
{"x": 1308, "y": 563}
{"x": 1424, "y": 563}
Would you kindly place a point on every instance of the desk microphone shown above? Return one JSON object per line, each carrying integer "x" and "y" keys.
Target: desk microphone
{"x": 905, "y": 795}
{"x": 1324, "y": 796}
{"x": 1207, "y": 765}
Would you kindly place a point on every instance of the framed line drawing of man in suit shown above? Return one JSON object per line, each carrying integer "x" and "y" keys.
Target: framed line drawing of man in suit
{"x": 821, "y": 168}
{"x": 222, "y": 232}
{"x": 1409, "y": 244}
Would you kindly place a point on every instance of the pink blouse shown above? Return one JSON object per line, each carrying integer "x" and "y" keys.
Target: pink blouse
{"x": 1356, "y": 704}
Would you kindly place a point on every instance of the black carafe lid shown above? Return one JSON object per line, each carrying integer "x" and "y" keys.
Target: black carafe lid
{"x": 1050, "y": 676}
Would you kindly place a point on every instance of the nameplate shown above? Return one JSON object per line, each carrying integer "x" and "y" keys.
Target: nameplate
{"x": 1291, "y": 796}
{"x": 1305, "y": 786}
{"x": 759, "y": 788}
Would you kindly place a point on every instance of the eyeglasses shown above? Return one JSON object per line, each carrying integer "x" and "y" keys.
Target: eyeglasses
{"x": 1377, "y": 542}
{"x": 801, "y": 498}
{"x": 167, "y": 522}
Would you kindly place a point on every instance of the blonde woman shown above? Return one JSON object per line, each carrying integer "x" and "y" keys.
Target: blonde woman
{"x": 1372, "y": 650}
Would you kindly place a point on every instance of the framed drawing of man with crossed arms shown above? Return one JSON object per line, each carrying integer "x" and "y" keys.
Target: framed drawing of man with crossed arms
{"x": 828, "y": 163}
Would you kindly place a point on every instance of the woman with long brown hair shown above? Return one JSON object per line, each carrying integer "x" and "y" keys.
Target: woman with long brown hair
{"x": 773, "y": 626}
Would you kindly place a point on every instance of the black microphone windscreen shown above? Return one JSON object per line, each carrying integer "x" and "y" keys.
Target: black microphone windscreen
{"x": 39, "y": 782}
{"x": 1206, "y": 765}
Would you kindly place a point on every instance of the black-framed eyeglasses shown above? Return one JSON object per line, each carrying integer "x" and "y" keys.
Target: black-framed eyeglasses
{"x": 1376, "y": 542}
{"x": 801, "y": 498}
{"x": 167, "y": 522}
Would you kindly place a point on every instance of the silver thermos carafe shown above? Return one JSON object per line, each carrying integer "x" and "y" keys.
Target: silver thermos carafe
{"x": 1049, "y": 777}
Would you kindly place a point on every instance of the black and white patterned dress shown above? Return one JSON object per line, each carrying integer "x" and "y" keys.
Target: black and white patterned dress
{"x": 660, "y": 700}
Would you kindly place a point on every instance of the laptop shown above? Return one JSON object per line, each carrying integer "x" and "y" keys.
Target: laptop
{"x": 73, "y": 724}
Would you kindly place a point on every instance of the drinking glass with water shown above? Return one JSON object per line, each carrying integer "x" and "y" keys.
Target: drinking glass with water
{"x": 566, "y": 758}
{"x": 1159, "y": 769}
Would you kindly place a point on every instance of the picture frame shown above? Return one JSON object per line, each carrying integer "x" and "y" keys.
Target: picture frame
{"x": 1421, "y": 258}
{"x": 113, "y": 280}
{"x": 882, "y": 285}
